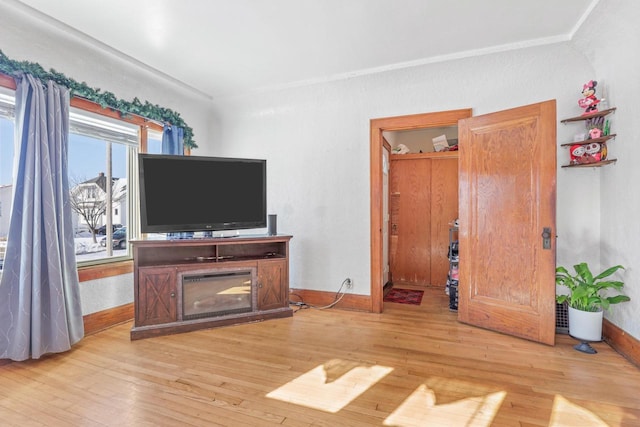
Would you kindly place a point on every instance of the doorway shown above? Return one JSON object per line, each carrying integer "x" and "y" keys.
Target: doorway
{"x": 379, "y": 244}
{"x": 507, "y": 176}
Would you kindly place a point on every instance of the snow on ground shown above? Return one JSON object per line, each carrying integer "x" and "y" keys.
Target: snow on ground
{"x": 86, "y": 249}
{"x": 85, "y": 244}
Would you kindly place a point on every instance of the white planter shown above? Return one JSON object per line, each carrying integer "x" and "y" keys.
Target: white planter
{"x": 585, "y": 325}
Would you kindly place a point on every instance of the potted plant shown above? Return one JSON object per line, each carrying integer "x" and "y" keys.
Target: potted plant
{"x": 588, "y": 296}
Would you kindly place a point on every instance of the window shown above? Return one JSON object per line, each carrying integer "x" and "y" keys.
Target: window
{"x": 100, "y": 152}
{"x": 6, "y": 166}
{"x": 102, "y": 180}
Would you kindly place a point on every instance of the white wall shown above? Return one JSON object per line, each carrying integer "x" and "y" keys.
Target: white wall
{"x": 316, "y": 141}
{"x": 108, "y": 292}
{"x": 610, "y": 39}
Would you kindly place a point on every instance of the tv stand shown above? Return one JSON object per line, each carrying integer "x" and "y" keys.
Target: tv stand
{"x": 161, "y": 265}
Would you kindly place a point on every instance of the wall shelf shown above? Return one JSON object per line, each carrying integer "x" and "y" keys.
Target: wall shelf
{"x": 430, "y": 155}
{"x": 589, "y": 116}
{"x": 589, "y": 141}
{"x": 592, "y": 165}
{"x": 602, "y": 141}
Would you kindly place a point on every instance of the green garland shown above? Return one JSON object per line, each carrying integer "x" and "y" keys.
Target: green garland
{"x": 104, "y": 99}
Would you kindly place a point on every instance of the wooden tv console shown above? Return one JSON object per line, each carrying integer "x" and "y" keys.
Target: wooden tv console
{"x": 159, "y": 266}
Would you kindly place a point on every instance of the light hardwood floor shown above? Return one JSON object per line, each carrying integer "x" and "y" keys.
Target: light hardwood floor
{"x": 410, "y": 366}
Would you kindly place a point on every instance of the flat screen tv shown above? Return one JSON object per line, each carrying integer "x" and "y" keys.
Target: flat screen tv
{"x": 194, "y": 193}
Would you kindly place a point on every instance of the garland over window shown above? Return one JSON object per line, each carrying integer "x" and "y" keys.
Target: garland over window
{"x": 104, "y": 99}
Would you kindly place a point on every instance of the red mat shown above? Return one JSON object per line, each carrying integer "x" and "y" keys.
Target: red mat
{"x": 404, "y": 296}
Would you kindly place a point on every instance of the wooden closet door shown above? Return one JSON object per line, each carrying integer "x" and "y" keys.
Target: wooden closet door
{"x": 410, "y": 255}
{"x": 444, "y": 210}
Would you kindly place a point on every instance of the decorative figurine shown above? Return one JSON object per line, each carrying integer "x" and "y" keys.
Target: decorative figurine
{"x": 593, "y": 152}
{"x": 577, "y": 153}
{"x": 585, "y": 154}
{"x": 595, "y": 133}
{"x": 590, "y": 101}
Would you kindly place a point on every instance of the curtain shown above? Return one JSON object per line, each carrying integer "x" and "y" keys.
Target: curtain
{"x": 173, "y": 140}
{"x": 40, "y": 310}
{"x": 172, "y": 143}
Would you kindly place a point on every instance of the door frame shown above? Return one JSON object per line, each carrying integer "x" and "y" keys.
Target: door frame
{"x": 377, "y": 126}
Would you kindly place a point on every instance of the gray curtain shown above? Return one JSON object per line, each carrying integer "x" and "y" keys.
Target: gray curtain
{"x": 40, "y": 309}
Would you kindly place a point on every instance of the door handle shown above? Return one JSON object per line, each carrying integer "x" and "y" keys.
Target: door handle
{"x": 546, "y": 238}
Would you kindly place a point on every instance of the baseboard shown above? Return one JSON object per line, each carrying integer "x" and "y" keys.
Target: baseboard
{"x": 324, "y": 298}
{"x": 622, "y": 342}
{"x": 104, "y": 319}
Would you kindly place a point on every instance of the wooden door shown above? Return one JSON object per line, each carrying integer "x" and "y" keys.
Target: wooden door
{"x": 156, "y": 302}
{"x": 507, "y": 198}
{"x": 410, "y": 223}
{"x": 272, "y": 284}
{"x": 386, "y": 216}
{"x": 444, "y": 210}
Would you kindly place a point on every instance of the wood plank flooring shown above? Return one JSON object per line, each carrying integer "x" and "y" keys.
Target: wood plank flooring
{"x": 410, "y": 366}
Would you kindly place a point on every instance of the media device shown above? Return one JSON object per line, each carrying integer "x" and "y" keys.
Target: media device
{"x": 272, "y": 225}
{"x": 196, "y": 193}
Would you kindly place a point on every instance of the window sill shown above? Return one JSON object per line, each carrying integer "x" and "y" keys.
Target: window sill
{"x": 101, "y": 271}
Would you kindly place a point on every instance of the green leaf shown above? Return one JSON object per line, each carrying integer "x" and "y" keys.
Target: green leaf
{"x": 583, "y": 271}
{"x": 608, "y": 272}
{"x": 618, "y": 299}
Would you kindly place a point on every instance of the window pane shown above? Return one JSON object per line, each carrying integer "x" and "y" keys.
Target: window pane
{"x": 6, "y": 151}
{"x": 89, "y": 163}
{"x": 154, "y": 143}
{"x": 6, "y": 171}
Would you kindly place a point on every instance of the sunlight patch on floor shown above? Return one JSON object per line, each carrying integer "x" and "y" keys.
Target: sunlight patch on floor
{"x": 331, "y": 386}
{"x": 421, "y": 408}
{"x": 567, "y": 414}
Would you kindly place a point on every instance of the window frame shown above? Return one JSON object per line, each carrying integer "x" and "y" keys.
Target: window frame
{"x": 105, "y": 267}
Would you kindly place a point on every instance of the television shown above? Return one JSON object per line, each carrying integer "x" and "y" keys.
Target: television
{"x": 197, "y": 193}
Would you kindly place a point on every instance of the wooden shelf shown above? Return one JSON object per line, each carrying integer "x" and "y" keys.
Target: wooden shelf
{"x": 589, "y": 141}
{"x": 591, "y": 165}
{"x": 429, "y": 155}
{"x": 589, "y": 116}
{"x": 602, "y": 139}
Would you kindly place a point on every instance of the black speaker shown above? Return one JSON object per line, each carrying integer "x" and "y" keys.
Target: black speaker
{"x": 272, "y": 225}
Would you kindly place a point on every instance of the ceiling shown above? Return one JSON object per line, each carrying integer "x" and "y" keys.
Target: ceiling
{"x": 224, "y": 47}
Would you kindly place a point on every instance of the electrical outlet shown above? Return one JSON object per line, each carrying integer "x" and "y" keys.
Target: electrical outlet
{"x": 349, "y": 283}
